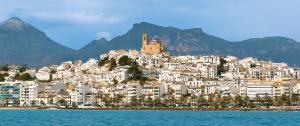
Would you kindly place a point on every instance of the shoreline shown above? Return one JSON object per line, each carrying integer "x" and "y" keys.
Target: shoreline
{"x": 276, "y": 109}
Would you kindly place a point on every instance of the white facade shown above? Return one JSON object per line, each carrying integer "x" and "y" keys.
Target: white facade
{"x": 28, "y": 94}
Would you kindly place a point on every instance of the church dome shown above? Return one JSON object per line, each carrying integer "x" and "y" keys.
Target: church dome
{"x": 155, "y": 38}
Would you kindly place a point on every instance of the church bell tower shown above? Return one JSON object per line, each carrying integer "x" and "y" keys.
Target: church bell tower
{"x": 145, "y": 41}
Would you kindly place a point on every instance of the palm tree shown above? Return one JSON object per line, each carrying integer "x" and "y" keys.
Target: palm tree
{"x": 193, "y": 99}
{"x": 238, "y": 101}
{"x": 218, "y": 100}
{"x": 157, "y": 102}
{"x": 225, "y": 100}
{"x": 184, "y": 99}
{"x": 105, "y": 99}
{"x": 295, "y": 99}
{"x": 173, "y": 100}
{"x": 278, "y": 101}
{"x": 141, "y": 100}
{"x": 149, "y": 101}
{"x": 51, "y": 101}
{"x": 285, "y": 99}
{"x": 62, "y": 102}
{"x": 32, "y": 103}
{"x": 202, "y": 101}
{"x": 117, "y": 99}
{"x": 267, "y": 100}
{"x": 17, "y": 103}
{"x": 98, "y": 96}
{"x": 258, "y": 100}
{"x": 42, "y": 103}
{"x": 165, "y": 99}
{"x": 134, "y": 101}
{"x": 210, "y": 99}
{"x": 246, "y": 101}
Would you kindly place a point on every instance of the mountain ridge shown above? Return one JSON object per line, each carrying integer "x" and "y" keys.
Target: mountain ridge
{"x": 40, "y": 48}
{"x": 24, "y": 44}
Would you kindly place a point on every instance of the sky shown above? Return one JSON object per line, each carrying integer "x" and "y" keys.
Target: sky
{"x": 74, "y": 23}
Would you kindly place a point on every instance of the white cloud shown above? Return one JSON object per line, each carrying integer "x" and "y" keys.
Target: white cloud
{"x": 101, "y": 35}
{"x": 65, "y": 11}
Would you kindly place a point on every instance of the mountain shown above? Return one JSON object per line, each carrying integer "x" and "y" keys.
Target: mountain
{"x": 279, "y": 49}
{"x": 93, "y": 49}
{"x": 177, "y": 41}
{"x": 22, "y": 43}
{"x": 196, "y": 42}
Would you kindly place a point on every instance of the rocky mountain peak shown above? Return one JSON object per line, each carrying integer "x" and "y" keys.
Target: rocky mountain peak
{"x": 14, "y": 23}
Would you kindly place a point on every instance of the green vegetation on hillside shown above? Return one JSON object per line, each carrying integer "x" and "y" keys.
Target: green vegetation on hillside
{"x": 125, "y": 60}
{"x": 103, "y": 61}
{"x": 24, "y": 77}
{"x": 221, "y": 68}
{"x": 4, "y": 68}
{"x": 136, "y": 74}
{"x": 113, "y": 64}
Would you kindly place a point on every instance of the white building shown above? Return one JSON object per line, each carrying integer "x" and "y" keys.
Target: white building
{"x": 28, "y": 93}
{"x": 43, "y": 73}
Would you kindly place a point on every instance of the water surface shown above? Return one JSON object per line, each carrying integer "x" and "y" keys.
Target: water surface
{"x": 146, "y": 118}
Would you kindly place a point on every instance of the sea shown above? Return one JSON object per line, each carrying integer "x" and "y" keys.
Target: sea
{"x": 146, "y": 118}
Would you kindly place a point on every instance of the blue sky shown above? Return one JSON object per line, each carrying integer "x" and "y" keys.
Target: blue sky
{"x": 75, "y": 23}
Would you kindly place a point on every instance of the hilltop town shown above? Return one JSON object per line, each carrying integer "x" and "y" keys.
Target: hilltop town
{"x": 152, "y": 77}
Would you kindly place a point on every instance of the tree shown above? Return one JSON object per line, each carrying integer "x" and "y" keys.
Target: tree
{"x": 115, "y": 82}
{"x": 225, "y": 101}
{"x": 23, "y": 68}
{"x": 193, "y": 99}
{"x": 258, "y": 100}
{"x": 23, "y": 77}
{"x": 42, "y": 103}
{"x": 113, "y": 64}
{"x": 246, "y": 101}
{"x": 62, "y": 102}
{"x": 267, "y": 100}
{"x": 26, "y": 77}
{"x": 118, "y": 98}
{"x": 149, "y": 101}
{"x": 295, "y": 99}
{"x": 210, "y": 99}
{"x": 238, "y": 101}
{"x": 32, "y": 103}
{"x": 103, "y": 61}
{"x": 5, "y": 67}
{"x": 125, "y": 60}
{"x": 141, "y": 99}
{"x": 105, "y": 99}
{"x": 278, "y": 101}
{"x": 134, "y": 101}
{"x": 252, "y": 65}
{"x": 157, "y": 102}
{"x": 135, "y": 73}
{"x": 251, "y": 105}
{"x": 53, "y": 71}
{"x": 220, "y": 67}
{"x": 51, "y": 101}
{"x": 284, "y": 99}
{"x": 2, "y": 78}
{"x": 202, "y": 101}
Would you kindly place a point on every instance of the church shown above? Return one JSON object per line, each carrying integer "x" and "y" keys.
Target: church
{"x": 154, "y": 47}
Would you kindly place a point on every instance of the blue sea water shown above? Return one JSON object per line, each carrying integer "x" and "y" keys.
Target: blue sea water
{"x": 145, "y": 118}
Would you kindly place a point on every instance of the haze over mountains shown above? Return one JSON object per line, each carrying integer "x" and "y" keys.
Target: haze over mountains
{"x": 22, "y": 43}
